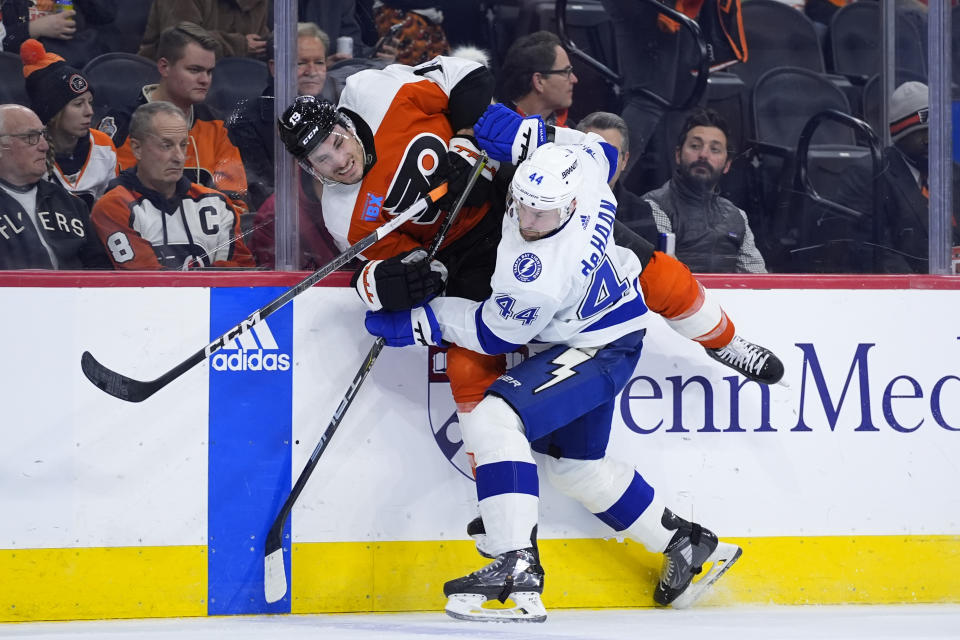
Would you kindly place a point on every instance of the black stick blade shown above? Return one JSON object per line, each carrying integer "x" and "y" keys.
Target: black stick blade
{"x": 116, "y": 384}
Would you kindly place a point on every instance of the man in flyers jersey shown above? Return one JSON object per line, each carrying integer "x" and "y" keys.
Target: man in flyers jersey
{"x": 396, "y": 133}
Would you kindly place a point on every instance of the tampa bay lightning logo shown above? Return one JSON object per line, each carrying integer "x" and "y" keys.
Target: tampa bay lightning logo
{"x": 527, "y": 268}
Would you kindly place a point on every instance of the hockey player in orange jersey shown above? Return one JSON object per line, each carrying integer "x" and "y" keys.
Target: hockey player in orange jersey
{"x": 396, "y": 133}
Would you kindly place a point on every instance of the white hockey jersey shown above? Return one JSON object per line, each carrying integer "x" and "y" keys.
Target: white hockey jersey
{"x": 574, "y": 287}
{"x": 99, "y": 168}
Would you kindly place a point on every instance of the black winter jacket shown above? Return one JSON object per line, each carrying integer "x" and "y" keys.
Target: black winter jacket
{"x": 64, "y": 221}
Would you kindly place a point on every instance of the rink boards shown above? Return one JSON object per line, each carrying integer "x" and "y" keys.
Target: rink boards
{"x": 840, "y": 487}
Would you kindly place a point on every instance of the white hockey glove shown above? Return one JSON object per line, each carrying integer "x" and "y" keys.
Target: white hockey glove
{"x": 405, "y": 328}
{"x": 456, "y": 170}
{"x": 507, "y": 136}
{"x": 400, "y": 282}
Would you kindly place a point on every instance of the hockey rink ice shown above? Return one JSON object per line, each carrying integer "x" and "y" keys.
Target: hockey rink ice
{"x": 840, "y": 622}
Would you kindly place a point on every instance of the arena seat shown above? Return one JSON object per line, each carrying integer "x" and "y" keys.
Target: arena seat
{"x": 12, "y": 89}
{"x": 854, "y": 42}
{"x": 117, "y": 78}
{"x": 236, "y": 79}
{"x": 830, "y": 237}
{"x": 778, "y": 36}
{"x": 783, "y": 100}
{"x": 126, "y": 31}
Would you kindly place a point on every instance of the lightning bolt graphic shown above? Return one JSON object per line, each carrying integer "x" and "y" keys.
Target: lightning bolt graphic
{"x": 566, "y": 362}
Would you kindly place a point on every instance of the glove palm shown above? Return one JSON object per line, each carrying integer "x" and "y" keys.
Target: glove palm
{"x": 405, "y": 328}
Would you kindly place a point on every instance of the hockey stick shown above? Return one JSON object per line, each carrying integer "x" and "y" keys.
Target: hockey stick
{"x": 120, "y": 386}
{"x": 274, "y": 574}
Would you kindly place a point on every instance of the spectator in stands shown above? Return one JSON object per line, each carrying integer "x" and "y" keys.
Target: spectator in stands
{"x": 42, "y": 226}
{"x": 85, "y": 160}
{"x": 537, "y": 78}
{"x": 239, "y": 27}
{"x": 904, "y": 195}
{"x": 154, "y": 217}
{"x": 72, "y": 34}
{"x": 712, "y": 234}
{"x": 186, "y": 59}
{"x": 632, "y": 210}
{"x": 316, "y": 246}
{"x": 252, "y": 125}
{"x": 312, "y": 48}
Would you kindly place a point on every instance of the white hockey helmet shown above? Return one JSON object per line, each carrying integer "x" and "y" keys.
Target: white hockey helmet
{"x": 547, "y": 181}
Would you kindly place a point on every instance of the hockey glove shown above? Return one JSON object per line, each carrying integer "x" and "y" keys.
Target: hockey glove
{"x": 507, "y": 136}
{"x": 400, "y": 282}
{"x": 405, "y": 328}
{"x": 456, "y": 170}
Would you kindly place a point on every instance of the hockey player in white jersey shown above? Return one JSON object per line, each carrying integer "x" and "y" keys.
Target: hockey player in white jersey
{"x": 560, "y": 278}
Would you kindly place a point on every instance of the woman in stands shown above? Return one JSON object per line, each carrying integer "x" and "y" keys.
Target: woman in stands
{"x": 84, "y": 159}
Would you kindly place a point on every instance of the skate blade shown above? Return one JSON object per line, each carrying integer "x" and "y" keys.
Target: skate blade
{"x": 722, "y": 558}
{"x": 469, "y": 606}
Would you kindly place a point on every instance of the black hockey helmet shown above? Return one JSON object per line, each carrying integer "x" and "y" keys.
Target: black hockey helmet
{"x": 306, "y": 123}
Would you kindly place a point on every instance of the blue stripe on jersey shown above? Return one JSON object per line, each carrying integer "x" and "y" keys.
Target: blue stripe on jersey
{"x": 623, "y": 313}
{"x": 508, "y": 476}
{"x": 613, "y": 156}
{"x": 631, "y": 504}
{"x": 490, "y": 342}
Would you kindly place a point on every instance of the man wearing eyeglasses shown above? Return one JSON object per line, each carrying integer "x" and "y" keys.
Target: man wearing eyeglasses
{"x": 42, "y": 226}
{"x": 538, "y": 79}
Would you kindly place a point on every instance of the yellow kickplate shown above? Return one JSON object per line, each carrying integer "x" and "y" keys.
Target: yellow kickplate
{"x": 119, "y": 582}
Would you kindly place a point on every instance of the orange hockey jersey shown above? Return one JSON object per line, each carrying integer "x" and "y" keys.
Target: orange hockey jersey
{"x": 406, "y": 110}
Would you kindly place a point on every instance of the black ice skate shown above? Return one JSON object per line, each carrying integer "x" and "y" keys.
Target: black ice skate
{"x": 515, "y": 575}
{"x": 751, "y": 360}
{"x": 691, "y": 547}
{"x": 478, "y": 532}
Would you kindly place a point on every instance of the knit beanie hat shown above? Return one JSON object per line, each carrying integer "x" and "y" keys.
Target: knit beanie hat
{"x": 51, "y": 83}
{"x": 909, "y": 109}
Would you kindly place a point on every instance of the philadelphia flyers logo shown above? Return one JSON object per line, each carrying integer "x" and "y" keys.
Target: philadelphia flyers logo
{"x": 411, "y": 181}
